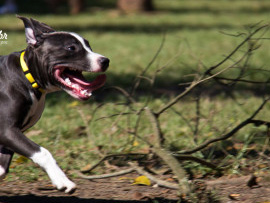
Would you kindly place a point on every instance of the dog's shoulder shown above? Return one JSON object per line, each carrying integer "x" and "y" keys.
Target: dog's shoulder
{"x": 10, "y": 61}
{"x": 12, "y": 81}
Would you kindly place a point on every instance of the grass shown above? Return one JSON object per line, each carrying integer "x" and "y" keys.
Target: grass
{"x": 194, "y": 36}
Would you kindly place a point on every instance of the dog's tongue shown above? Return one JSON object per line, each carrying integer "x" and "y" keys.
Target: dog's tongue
{"x": 80, "y": 80}
{"x": 75, "y": 84}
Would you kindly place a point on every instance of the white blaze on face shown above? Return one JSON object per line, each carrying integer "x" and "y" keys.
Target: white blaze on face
{"x": 92, "y": 56}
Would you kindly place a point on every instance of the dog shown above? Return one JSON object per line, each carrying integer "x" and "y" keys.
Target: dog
{"x": 52, "y": 61}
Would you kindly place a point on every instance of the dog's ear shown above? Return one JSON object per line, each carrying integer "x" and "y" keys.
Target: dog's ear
{"x": 34, "y": 30}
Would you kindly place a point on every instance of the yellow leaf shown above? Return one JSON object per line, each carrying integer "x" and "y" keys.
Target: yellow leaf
{"x": 142, "y": 180}
{"x": 135, "y": 143}
{"x": 21, "y": 159}
{"x": 86, "y": 168}
{"x": 234, "y": 196}
{"x": 74, "y": 104}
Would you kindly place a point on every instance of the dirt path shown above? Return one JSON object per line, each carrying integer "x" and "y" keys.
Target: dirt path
{"x": 105, "y": 190}
{"x": 237, "y": 189}
{"x": 111, "y": 190}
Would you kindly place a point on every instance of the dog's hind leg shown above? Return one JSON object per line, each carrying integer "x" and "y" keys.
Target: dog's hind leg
{"x": 5, "y": 159}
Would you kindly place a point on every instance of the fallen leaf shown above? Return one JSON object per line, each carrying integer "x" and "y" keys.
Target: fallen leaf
{"x": 142, "y": 180}
{"x": 21, "y": 159}
{"x": 74, "y": 104}
{"x": 234, "y": 196}
{"x": 170, "y": 179}
{"x": 262, "y": 166}
{"x": 86, "y": 168}
{"x": 135, "y": 143}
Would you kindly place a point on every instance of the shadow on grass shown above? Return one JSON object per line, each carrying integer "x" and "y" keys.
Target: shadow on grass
{"x": 209, "y": 10}
{"x": 129, "y": 28}
{"x": 46, "y": 199}
{"x": 164, "y": 87}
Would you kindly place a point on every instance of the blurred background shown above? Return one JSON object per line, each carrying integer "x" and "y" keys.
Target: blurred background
{"x": 171, "y": 42}
{"x": 129, "y": 32}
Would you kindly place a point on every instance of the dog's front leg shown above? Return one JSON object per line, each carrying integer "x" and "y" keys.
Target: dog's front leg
{"x": 45, "y": 160}
{"x": 5, "y": 158}
{"x": 13, "y": 139}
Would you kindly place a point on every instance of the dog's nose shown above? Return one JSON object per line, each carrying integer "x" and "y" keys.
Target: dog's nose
{"x": 104, "y": 63}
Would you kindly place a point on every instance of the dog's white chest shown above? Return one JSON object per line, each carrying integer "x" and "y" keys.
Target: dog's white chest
{"x": 35, "y": 111}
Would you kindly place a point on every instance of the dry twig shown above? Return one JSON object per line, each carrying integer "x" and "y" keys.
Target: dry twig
{"x": 108, "y": 175}
{"x": 161, "y": 183}
{"x": 232, "y": 132}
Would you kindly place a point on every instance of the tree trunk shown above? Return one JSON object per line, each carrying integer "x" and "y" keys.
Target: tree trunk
{"x": 76, "y": 6}
{"x": 135, "y": 5}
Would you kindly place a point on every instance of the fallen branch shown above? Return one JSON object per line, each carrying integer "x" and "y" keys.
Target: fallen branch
{"x": 185, "y": 157}
{"x": 111, "y": 156}
{"x": 165, "y": 155}
{"x": 108, "y": 175}
{"x": 134, "y": 167}
{"x": 161, "y": 183}
{"x": 176, "y": 168}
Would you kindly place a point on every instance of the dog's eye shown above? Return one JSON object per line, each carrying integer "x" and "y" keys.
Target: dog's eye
{"x": 71, "y": 48}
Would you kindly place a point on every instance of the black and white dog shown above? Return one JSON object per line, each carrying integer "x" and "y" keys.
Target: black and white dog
{"x": 52, "y": 61}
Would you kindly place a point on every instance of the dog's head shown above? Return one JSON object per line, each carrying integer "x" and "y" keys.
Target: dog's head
{"x": 63, "y": 56}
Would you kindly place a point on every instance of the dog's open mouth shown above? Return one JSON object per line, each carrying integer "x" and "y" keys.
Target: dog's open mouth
{"x": 74, "y": 83}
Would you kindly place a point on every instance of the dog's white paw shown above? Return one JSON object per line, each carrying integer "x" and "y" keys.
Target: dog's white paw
{"x": 2, "y": 173}
{"x": 65, "y": 184}
{"x": 57, "y": 176}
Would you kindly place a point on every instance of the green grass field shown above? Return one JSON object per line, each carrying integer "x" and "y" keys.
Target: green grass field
{"x": 194, "y": 40}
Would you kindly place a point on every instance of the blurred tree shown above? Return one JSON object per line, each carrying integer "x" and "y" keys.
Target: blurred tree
{"x": 135, "y": 5}
{"x": 75, "y": 6}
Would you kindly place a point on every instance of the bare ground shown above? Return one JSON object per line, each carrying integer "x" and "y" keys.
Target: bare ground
{"x": 105, "y": 190}
{"x": 110, "y": 190}
{"x": 240, "y": 189}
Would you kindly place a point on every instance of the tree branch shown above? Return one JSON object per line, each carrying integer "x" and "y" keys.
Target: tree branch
{"x": 184, "y": 157}
{"x": 231, "y": 133}
{"x": 236, "y": 49}
{"x": 161, "y": 183}
{"x": 108, "y": 175}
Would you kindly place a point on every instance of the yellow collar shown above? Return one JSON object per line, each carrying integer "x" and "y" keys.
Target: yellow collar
{"x": 28, "y": 75}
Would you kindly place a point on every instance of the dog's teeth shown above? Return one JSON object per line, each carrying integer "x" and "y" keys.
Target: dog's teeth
{"x": 67, "y": 80}
{"x": 75, "y": 86}
{"x": 88, "y": 94}
{"x": 85, "y": 93}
